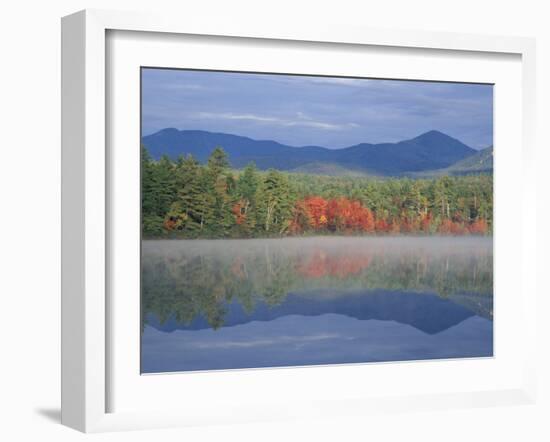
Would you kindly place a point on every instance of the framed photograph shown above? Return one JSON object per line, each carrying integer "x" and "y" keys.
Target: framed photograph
{"x": 279, "y": 222}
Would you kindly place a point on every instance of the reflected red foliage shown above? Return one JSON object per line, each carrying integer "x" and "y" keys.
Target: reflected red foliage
{"x": 237, "y": 268}
{"x": 321, "y": 264}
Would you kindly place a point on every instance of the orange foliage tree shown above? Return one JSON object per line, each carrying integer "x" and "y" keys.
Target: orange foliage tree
{"x": 316, "y": 210}
{"x": 381, "y": 225}
{"x": 346, "y": 215}
{"x": 479, "y": 227}
{"x": 239, "y": 212}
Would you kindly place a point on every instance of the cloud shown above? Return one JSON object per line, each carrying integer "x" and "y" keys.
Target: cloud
{"x": 299, "y": 121}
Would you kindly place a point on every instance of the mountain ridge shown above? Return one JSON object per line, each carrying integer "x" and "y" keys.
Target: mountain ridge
{"x": 432, "y": 150}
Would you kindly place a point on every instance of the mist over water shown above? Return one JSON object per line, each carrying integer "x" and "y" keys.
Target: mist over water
{"x": 221, "y": 304}
{"x": 390, "y": 245}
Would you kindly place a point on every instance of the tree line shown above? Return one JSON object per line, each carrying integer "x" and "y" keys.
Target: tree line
{"x": 184, "y": 199}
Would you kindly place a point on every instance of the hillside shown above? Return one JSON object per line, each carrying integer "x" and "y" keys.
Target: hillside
{"x": 480, "y": 162}
{"x": 430, "y": 151}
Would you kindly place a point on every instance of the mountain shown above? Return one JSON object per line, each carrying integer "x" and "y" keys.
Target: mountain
{"x": 479, "y": 162}
{"x": 482, "y": 161}
{"x": 429, "y": 151}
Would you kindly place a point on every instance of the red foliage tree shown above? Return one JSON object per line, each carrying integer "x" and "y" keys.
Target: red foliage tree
{"x": 394, "y": 227}
{"x": 238, "y": 211}
{"x": 448, "y": 227}
{"x": 479, "y": 227}
{"x": 346, "y": 215}
{"x": 445, "y": 227}
{"x": 405, "y": 225}
{"x": 169, "y": 224}
{"x": 361, "y": 218}
{"x": 300, "y": 219}
{"x": 458, "y": 228}
{"x": 381, "y": 225}
{"x": 316, "y": 209}
{"x": 337, "y": 212}
{"x": 315, "y": 213}
{"x": 426, "y": 223}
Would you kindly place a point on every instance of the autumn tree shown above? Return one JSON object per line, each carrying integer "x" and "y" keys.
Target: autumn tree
{"x": 316, "y": 211}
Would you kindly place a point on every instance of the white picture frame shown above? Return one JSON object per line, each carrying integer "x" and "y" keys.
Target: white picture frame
{"x": 86, "y": 207}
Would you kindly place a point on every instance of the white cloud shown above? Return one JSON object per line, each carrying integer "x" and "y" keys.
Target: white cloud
{"x": 301, "y": 120}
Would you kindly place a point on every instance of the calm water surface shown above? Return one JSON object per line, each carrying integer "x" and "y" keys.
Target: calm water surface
{"x": 222, "y": 304}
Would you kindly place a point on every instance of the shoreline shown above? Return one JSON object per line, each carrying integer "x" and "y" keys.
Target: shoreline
{"x": 373, "y": 236}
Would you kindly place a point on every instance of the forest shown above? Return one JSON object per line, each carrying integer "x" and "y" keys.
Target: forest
{"x": 185, "y": 199}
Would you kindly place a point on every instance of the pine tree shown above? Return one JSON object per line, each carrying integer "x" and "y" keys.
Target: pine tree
{"x": 164, "y": 185}
{"x": 275, "y": 201}
{"x": 189, "y": 196}
{"x": 151, "y": 221}
{"x": 246, "y": 189}
{"x": 217, "y": 184}
{"x": 217, "y": 162}
{"x": 158, "y": 192}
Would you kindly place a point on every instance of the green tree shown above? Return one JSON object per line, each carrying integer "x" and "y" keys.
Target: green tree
{"x": 275, "y": 201}
{"x": 158, "y": 192}
{"x": 246, "y": 190}
{"x": 186, "y": 212}
{"x": 218, "y": 183}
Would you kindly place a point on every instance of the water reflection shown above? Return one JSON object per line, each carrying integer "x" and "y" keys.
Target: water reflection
{"x": 298, "y": 301}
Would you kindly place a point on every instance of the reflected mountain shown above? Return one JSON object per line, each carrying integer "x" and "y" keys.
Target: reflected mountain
{"x": 428, "y": 313}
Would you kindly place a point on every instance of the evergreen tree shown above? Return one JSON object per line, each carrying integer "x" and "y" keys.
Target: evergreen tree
{"x": 246, "y": 190}
{"x": 164, "y": 185}
{"x": 217, "y": 162}
{"x": 218, "y": 184}
{"x": 158, "y": 192}
{"x": 151, "y": 222}
{"x": 189, "y": 194}
{"x": 275, "y": 202}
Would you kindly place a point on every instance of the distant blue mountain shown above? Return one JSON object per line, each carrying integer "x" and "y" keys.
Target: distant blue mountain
{"x": 429, "y": 151}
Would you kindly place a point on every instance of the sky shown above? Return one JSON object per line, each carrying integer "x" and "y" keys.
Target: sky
{"x": 323, "y": 111}
{"x": 305, "y": 340}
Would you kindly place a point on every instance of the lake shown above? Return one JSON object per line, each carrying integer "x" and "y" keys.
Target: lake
{"x": 227, "y": 304}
